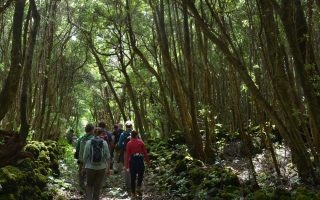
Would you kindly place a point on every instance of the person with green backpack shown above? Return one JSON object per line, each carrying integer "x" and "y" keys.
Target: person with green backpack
{"x": 79, "y": 154}
{"x": 95, "y": 157}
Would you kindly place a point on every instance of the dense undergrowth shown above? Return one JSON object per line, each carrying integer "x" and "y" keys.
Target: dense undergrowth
{"x": 178, "y": 173}
{"x": 28, "y": 178}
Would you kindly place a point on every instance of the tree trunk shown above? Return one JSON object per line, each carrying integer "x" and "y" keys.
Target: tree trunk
{"x": 27, "y": 73}
{"x": 10, "y": 88}
{"x": 193, "y": 139}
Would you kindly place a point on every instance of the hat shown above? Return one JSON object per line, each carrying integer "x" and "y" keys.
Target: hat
{"x": 128, "y": 123}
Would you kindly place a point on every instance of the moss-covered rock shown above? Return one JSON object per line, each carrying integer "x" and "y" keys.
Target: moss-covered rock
{"x": 35, "y": 147}
{"x": 27, "y": 165}
{"x": 10, "y": 177}
{"x": 27, "y": 180}
{"x": 197, "y": 175}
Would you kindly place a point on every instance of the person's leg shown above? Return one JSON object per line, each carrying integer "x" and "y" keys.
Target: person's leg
{"x": 115, "y": 161}
{"x": 111, "y": 159}
{"x": 140, "y": 172}
{"x": 81, "y": 177}
{"x": 90, "y": 183}
{"x": 99, "y": 179}
{"x": 133, "y": 175}
{"x": 121, "y": 161}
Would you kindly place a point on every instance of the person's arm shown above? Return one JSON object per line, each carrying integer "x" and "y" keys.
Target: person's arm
{"x": 106, "y": 156}
{"x": 145, "y": 153}
{"x": 120, "y": 145}
{"x": 128, "y": 153}
{"x": 86, "y": 151}
{"x": 106, "y": 150}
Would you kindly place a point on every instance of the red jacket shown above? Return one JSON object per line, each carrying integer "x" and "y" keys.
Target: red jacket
{"x": 136, "y": 146}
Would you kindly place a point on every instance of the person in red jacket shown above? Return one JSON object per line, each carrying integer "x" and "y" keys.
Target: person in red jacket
{"x": 136, "y": 153}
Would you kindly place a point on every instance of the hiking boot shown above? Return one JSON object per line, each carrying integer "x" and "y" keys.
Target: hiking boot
{"x": 139, "y": 191}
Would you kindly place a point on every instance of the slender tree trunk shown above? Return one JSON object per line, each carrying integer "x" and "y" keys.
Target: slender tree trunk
{"x": 193, "y": 139}
{"x": 106, "y": 77}
{"x": 27, "y": 73}
{"x": 10, "y": 88}
{"x": 299, "y": 152}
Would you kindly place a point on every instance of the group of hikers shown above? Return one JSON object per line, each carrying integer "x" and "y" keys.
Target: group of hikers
{"x": 98, "y": 151}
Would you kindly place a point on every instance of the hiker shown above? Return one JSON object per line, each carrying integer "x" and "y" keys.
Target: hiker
{"x": 95, "y": 157}
{"x": 117, "y": 130}
{"x": 123, "y": 140}
{"x": 79, "y": 154}
{"x": 107, "y": 136}
{"x": 135, "y": 155}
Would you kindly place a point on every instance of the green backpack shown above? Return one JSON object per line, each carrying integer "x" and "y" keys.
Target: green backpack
{"x": 83, "y": 142}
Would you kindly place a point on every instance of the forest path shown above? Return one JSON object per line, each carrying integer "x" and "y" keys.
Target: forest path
{"x": 114, "y": 184}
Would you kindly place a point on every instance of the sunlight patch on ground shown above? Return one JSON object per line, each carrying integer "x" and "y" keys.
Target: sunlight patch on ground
{"x": 264, "y": 166}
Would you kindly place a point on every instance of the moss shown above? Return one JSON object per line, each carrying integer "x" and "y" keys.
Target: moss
{"x": 33, "y": 149}
{"x": 29, "y": 178}
{"x": 197, "y": 175}
{"x": 198, "y": 163}
{"x": 29, "y": 192}
{"x": 38, "y": 179}
{"x": 10, "y": 178}
{"x": 27, "y": 165}
{"x": 53, "y": 156}
{"x": 44, "y": 156}
{"x": 260, "y": 195}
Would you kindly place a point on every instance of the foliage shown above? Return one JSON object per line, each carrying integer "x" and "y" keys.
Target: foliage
{"x": 29, "y": 177}
{"x": 184, "y": 176}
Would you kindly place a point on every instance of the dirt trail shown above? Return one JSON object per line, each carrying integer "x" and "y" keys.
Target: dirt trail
{"x": 113, "y": 189}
